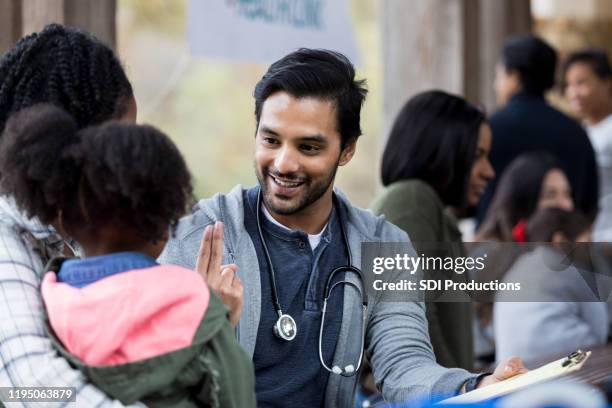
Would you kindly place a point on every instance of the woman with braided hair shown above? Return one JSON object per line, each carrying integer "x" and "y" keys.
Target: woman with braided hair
{"x": 69, "y": 68}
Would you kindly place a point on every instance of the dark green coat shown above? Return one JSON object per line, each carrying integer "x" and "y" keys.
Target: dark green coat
{"x": 415, "y": 207}
{"x": 213, "y": 372}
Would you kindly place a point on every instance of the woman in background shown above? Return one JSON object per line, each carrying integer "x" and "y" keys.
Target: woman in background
{"x": 533, "y": 181}
{"x": 434, "y": 167}
{"x": 556, "y": 312}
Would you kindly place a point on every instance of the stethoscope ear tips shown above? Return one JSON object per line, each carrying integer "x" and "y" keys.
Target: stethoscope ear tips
{"x": 348, "y": 370}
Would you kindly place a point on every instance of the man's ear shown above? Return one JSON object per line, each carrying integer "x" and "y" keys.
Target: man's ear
{"x": 348, "y": 151}
{"x": 514, "y": 76}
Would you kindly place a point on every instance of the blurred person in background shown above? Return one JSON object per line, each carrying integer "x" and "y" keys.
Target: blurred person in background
{"x": 587, "y": 78}
{"x": 69, "y": 68}
{"x": 526, "y": 122}
{"x": 533, "y": 181}
{"x": 562, "y": 313}
{"x": 434, "y": 166}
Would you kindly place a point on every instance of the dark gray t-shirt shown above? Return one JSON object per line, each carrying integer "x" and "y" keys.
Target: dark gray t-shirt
{"x": 289, "y": 373}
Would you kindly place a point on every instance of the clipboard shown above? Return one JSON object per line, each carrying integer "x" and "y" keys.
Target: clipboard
{"x": 573, "y": 362}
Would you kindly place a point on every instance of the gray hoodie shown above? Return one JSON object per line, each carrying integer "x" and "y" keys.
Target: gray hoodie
{"x": 397, "y": 341}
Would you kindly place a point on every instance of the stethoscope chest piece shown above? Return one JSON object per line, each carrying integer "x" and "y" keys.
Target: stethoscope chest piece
{"x": 285, "y": 327}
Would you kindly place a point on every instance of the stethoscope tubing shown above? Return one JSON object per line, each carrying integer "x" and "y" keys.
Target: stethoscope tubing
{"x": 327, "y": 292}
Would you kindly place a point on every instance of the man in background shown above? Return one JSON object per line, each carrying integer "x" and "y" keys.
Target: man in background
{"x": 526, "y": 122}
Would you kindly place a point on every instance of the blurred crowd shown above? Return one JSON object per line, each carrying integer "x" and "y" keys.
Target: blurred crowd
{"x": 533, "y": 174}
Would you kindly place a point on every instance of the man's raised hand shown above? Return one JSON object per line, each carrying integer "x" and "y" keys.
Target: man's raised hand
{"x": 221, "y": 279}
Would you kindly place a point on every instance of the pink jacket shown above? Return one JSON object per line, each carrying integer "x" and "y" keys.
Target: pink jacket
{"x": 149, "y": 312}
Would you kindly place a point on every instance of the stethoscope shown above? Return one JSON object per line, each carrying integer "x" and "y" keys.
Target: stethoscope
{"x": 285, "y": 327}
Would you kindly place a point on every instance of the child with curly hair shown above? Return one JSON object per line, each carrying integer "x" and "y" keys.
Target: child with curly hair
{"x": 138, "y": 330}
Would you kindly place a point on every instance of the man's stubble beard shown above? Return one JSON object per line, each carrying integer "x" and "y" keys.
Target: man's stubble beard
{"x": 312, "y": 194}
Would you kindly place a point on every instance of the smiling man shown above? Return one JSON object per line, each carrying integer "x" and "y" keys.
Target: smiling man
{"x": 288, "y": 234}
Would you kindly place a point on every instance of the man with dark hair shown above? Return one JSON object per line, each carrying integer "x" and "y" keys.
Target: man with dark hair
{"x": 289, "y": 234}
{"x": 526, "y": 122}
{"x": 587, "y": 80}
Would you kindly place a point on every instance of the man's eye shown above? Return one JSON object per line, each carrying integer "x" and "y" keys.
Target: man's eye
{"x": 270, "y": 140}
{"x": 310, "y": 148}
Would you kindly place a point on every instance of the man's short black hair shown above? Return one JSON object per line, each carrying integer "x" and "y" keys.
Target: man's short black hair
{"x": 534, "y": 59}
{"x": 317, "y": 73}
{"x": 595, "y": 58}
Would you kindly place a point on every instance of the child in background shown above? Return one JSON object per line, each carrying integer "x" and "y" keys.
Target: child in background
{"x": 562, "y": 313}
{"x": 139, "y": 331}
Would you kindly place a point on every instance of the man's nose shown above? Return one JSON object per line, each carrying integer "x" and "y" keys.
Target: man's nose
{"x": 286, "y": 161}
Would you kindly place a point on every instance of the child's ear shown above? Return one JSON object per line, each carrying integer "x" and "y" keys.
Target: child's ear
{"x": 558, "y": 237}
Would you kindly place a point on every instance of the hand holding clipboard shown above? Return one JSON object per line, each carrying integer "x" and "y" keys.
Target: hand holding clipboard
{"x": 563, "y": 366}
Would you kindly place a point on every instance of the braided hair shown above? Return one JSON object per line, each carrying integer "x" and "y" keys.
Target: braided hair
{"x": 67, "y": 67}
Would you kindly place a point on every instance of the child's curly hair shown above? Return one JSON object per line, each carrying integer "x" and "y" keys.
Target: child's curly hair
{"x": 129, "y": 175}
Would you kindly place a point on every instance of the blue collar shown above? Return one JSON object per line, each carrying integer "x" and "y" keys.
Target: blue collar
{"x": 82, "y": 272}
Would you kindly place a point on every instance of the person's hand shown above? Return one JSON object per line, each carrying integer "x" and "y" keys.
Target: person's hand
{"x": 221, "y": 279}
{"x": 508, "y": 368}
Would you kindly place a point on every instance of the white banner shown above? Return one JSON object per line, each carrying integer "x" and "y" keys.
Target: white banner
{"x": 265, "y": 30}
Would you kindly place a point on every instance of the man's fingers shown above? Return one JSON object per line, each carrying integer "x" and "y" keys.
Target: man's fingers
{"x": 510, "y": 368}
{"x": 216, "y": 255}
{"x": 232, "y": 294}
{"x": 204, "y": 252}
{"x": 238, "y": 288}
{"x": 227, "y": 280}
{"x": 231, "y": 266}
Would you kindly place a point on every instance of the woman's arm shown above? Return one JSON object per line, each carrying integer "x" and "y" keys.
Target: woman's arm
{"x": 27, "y": 355}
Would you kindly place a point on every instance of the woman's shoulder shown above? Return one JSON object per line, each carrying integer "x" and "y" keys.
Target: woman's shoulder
{"x": 409, "y": 194}
{"x": 23, "y": 240}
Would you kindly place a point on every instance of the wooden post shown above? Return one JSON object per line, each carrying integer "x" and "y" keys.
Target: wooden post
{"x": 95, "y": 16}
{"x": 422, "y": 49}
{"x": 10, "y": 23}
{"x": 37, "y": 13}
